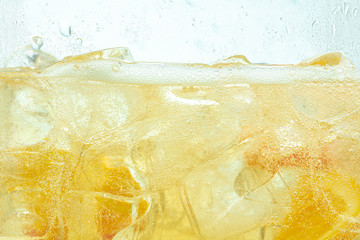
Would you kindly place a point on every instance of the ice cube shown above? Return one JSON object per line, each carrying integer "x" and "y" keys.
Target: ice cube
{"x": 235, "y": 60}
{"x": 168, "y": 144}
{"x": 19, "y": 217}
{"x": 113, "y": 142}
{"x": 212, "y": 204}
{"x": 325, "y": 102}
{"x": 84, "y": 113}
{"x": 121, "y": 53}
{"x": 26, "y": 115}
{"x": 226, "y": 197}
{"x": 96, "y": 215}
{"x": 29, "y": 56}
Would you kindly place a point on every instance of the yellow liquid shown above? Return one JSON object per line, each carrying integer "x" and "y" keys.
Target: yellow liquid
{"x": 96, "y": 148}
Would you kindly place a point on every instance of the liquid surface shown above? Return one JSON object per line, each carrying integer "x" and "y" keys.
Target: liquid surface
{"x": 99, "y": 147}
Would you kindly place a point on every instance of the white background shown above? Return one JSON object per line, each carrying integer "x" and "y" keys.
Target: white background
{"x": 270, "y": 31}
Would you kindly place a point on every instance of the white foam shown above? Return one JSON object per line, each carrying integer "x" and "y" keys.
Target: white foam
{"x": 195, "y": 74}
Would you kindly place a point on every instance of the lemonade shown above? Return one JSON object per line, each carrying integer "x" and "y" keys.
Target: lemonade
{"x": 97, "y": 146}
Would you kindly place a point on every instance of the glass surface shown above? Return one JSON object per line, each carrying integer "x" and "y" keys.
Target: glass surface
{"x": 97, "y": 146}
{"x": 270, "y": 31}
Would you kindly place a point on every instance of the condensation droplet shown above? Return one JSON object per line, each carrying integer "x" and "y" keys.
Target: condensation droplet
{"x": 98, "y": 27}
{"x": 345, "y": 8}
{"x": 79, "y": 41}
{"x": 336, "y": 10}
{"x": 37, "y": 42}
{"x": 313, "y": 23}
{"x": 355, "y": 12}
{"x": 65, "y": 29}
{"x": 31, "y": 55}
{"x": 287, "y": 29}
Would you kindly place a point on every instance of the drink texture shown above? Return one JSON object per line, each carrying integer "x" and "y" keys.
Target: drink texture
{"x": 97, "y": 146}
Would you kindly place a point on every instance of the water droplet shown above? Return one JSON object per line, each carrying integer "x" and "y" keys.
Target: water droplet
{"x": 37, "y": 42}
{"x": 336, "y": 10}
{"x": 98, "y": 27}
{"x": 355, "y": 12}
{"x": 31, "y": 55}
{"x": 345, "y": 8}
{"x": 313, "y": 23}
{"x": 116, "y": 67}
{"x": 287, "y": 28}
{"x": 65, "y": 29}
{"x": 79, "y": 41}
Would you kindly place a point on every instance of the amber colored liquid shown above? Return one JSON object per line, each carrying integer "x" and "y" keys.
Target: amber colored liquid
{"x": 82, "y": 157}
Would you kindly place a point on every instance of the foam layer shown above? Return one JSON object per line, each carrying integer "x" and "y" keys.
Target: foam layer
{"x": 159, "y": 73}
{"x": 116, "y": 66}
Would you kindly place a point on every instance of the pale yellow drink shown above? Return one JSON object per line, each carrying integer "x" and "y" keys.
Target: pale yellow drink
{"x": 98, "y": 147}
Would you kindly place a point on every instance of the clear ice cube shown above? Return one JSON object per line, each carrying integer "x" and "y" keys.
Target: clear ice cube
{"x": 26, "y": 115}
{"x": 99, "y": 147}
{"x": 228, "y": 198}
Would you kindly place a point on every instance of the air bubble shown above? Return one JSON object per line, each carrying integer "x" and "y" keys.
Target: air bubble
{"x": 24, "y": 215}
{"x": 37, "y": 42}
{"x": 65, "y": 29}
